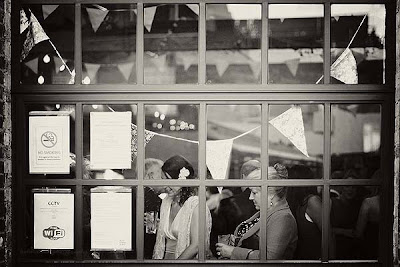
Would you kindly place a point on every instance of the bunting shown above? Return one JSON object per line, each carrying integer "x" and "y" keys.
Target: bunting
{"x": 134, "y": 134}
{"x": 58, "y": 63}
{"x": 126, "y": 69}
{"x": 91, "y": 70}
{"x": 293, "y": 65}
{"x": 344, "y": 68}
{"x": 24, "y": 22}
{"x": 218, "y": 157}
{"x": 48, "y": 9}
{"x": 33, "y": 65}
{"x": 149, "y": 13}
{"x": 34, "y": 33}
{"x": 96, "y": 16}
{"x": 194, "y": 7}
{"x": 290, "y": 124}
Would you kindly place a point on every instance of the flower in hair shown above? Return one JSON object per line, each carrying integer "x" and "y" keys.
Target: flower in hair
{"x": 183, "y": 173}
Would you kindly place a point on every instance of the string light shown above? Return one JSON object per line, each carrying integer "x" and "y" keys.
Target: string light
{"x": 58, "y": 106}
{"x": 162, "y": 117}
{"x": 172, "y": 122}
{"x": 46, "y": 59}
{"x": 62, "y": 67}
{"x": 156, "y": 114}
{"x": 40, "y": 79}
{"x": 95, "y": 106}
{"x": 86, "y": 80}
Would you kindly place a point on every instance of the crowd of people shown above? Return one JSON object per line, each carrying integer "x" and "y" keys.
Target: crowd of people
{"x": 293, "y": 219}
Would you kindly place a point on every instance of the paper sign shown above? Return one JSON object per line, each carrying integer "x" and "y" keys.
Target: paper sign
{"x": 53, "y": 221}
{"x": 111, "y": 221}
{"x": 49, "y": 144}
{"x": 110, "y": 140}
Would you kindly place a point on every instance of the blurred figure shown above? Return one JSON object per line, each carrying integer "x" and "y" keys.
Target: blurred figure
{"x": 281, "y": 225}
{"x": 177, "y": 235}
{"x": 230, "y": 210}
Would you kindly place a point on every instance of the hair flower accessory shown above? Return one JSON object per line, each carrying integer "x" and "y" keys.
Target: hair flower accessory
{"x": 183, "y": 173}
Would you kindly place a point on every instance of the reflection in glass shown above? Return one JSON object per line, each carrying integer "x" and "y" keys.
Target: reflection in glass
{"x": 108, "y": 174}
{"x": 306, "y": 205}
{"x": 295, "y": 53}
{"x": 356, "y": 139}
{"x": 170, "y": 43}
{"x": 41, "y": 64}
{"x": 233, "y": 43}
{"x": 27, "y": 245}
{"x": 53, "y": 110}
{"x": 362, "y": 28}
{"x": 355, "y": 216}
{"x": 229, "y": 207}
{"x": 233, "y": 138}
{"x": 172, "y": 130}
{"x": 109, "y": 43}
{"x": 294, "y": 151}
{"x": 99, "y": 208}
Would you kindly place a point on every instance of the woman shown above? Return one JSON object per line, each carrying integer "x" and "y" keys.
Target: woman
{"x": 281, "y": 225}
{"x": 177, "y": 235}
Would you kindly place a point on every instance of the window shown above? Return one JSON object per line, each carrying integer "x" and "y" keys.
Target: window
{"x": 237, "y": 89}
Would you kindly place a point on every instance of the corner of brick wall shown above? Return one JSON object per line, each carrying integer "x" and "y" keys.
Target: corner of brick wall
{"x": 5, "y": 134}
{"x": 396, "y": 244}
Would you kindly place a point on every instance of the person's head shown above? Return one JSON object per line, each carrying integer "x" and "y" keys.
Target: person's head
{"x": 177, "y": 167}
{"x": 248, "y": 167}
{"x": 349, "y": 192}
{"x": 275, "y": 193}
{"x": 152, "y": 168}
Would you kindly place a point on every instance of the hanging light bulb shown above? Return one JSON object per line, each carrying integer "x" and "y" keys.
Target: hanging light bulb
{"x": 62, "y": 67}
{"x": 58, "y": 106}
{"x": 162, "y": 117}
{"x": 46, "y": 59}
{"x": 40, "y": 79}
{"x": 156, "y": 114}
{"x": 86, "y": 80}
{"x": 95, "y": 106}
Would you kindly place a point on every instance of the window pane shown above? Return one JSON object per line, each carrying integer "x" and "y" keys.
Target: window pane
{"x": 109, "y": 222}
{"x": 172, "y": 130}
{"x": 356, "y": 140}
{"x": 295, "y": 53}
{"x": 27, "y": 246}
{"x": 233, "y": 43}
{"x": 170, "y": 43}
{"x": 49, "y": 58}
{"x": 110, "y": 136}
{"x": 296, "y": 136}
{"x": 362, "y": 28}
{"x": 229, "y": 207}
{"x": 355, "y": 216}
{"x": 233, "y": 138}
{"x": 45, "y": 156}
{"x": 170, "y": 219}
{"x": 306, "y": 206}
{"x": 109, "y": 43}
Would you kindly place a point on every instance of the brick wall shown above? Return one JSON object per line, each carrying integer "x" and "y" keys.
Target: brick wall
{"x": 397, "y": 144}
{"x": 5, "y": 133}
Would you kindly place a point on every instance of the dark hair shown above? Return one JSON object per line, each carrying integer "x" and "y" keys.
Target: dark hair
{"x": 173, "y": 167}
{"x": 278, "y": 172}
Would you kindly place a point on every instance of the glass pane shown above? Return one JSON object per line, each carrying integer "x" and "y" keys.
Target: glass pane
{"x": 171, "y": 221}
{"x": 362, "y": 29}
{"x": 29, "y": 240}
{"x": 295, "y": 53}
{"x": 229, "y": 207}
{"x": 109, "y": 222}
{"x": 356, "y": 140}
{"x": 282, "y": 232}
{"x": 47, "y": 44}
{"x": 172, "y": 130}
{"x": 233, "y": 140}
{"x": 47, "y": 161}
{"x": 109, "y": 43}
{"x": 306, "y": 206}
{"x": 296, "y": 136}
{"x": 233, "y": 43}
{"x": 111, "y": 158}
{"x": 170, "y": 43}
{"x": 355, "y": 216}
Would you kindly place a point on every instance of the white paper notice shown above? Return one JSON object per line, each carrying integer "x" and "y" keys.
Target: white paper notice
{"x": 111, "y": 221}
{"x": 49, "y": 144}
{"x": 110, "y": 140}
{"x": 53, "y": 221}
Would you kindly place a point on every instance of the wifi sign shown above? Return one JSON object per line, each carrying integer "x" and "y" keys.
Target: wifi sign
{"x": 53, "y": 233}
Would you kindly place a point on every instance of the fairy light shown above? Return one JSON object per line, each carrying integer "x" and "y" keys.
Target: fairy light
{"x": 172, "y": 122}
{"x": 40, "y": 79}
{"x": 58, "y": 106}
{"x": 162, "y": 117}
{"x": 46, "y": 59}
{"x": 95, "y": 106}
{"x": 156, "y": 114}
{"x": 86, "y": 80}
{"x": 62, "y": 67}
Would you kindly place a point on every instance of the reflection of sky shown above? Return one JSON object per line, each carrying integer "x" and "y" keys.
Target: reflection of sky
{"x": 376, "y": 13}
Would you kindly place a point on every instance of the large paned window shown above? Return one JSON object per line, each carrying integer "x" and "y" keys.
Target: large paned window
{"x": 281, "y": 113}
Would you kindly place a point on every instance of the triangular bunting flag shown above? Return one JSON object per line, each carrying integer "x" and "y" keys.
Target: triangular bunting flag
{"x": 159, "y": 62}
{"x": 48, "y": 9}
{"x": 134, "y": 134}
{"x": 33, "y": 65}
{"x": 58, "y": 63}
{"x": 194, "y": 7}
{"x": 293, "y": 65}
{"x": 92, "y": 70}
{"x": 96, "y": 17}
{"x": 34, "y": 35}
{"x": 290, "y": 124}
{"x": 344, "y": 68}
{"x": 255, "y": 68}
{"x": 126, "y": 69}
{"x": 218, "y": 157}
{"x": 221, "y": 66}
{"x": 24, "y": 22}
{"x": 72, "y": 79}
{"x": 149, "y": 13}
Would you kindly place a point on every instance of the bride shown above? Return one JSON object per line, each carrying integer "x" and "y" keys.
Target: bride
{"x": 177, "y": 235}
